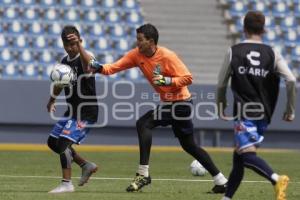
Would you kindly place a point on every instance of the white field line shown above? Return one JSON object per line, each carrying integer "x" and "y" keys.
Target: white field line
{"x": 117, "y": 178}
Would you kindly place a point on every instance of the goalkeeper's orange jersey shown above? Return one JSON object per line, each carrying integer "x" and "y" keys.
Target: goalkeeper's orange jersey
{"x": 170, "y": 66}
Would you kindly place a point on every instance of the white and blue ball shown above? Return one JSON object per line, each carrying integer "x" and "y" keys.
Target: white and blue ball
{"x": 197, "y": 169}
{"x": 62, "y": 75}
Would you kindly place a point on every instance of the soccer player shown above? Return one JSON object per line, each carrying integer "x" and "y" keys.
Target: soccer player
{"x": 72, "y": 128}
{"x": 169, "y": 77}
{"x": 255, "y": 70}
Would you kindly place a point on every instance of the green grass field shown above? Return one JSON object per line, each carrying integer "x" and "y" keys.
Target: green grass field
{"x": 30, "y": 175}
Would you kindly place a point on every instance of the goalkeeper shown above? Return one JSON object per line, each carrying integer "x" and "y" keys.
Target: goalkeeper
{"x": 169, "y": 77}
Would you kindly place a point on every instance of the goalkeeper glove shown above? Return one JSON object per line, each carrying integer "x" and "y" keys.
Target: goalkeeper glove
{"x": 95, "y": 64}
{"x": 161, "y": 80}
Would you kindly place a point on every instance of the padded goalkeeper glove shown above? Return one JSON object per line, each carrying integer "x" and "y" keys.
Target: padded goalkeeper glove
{"x": 161, "y": 80}
{"x": 95, "y": 64}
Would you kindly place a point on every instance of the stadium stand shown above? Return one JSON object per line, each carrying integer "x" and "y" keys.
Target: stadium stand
{"x": 282, "y": 21}
{"x": 30, "y": 33}
{"x": 195, "y": 32}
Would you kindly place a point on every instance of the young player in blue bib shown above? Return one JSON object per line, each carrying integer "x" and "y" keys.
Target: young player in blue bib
{"x": 255, "y": 70}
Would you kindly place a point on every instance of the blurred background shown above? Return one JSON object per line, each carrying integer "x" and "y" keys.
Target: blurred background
{"x": 199, "y": 31}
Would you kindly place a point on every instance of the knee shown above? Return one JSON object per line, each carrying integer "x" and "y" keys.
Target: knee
{"x": 52, "y": 144}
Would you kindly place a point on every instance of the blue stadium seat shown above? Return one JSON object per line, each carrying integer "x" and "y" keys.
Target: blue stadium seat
{"x": 102, "y": 44}
{"x": 15, "y": 27}
{"x": 27, "y": 2}
{"x": 6, "y": 55}
{"x": 3, "y": 41}
{"x": 31, "y": 14}
{"x": 134, "y": 17}
{"x": 54, "y": 29}
{"x": 10, "y": 14}
{"x": 30, "y": 71}
{"x": 97, "y": 29}
{"x": 21, "y": 42}
{"x": 88, "y": 3}
{"x": 237, "y": 9}
{"x": 8, "y": 2}
{"x": 296, "y": 53}
{"x": 291, "y": 38}
{"x": 260, "y": 6}
{"x": 26, "y": 56}
{"x": 130, "y": 4}
{"x": 122, "y": 45}
{"x": 10, "y": 71}
{"x": 113, "y": 16}
{"x": 35, "y": 28}
{"x": 289, "y": 22}
{"x": 117, "y": 30}
{"x": 270, "y": 22}
{"x": 280, "y": 10}
{"x": 271, "y": 36}
{"x": 40, "y": 42}
{"x": 109, "y": 3}
{"x": 71, "y": 15}
{"x": 67, "y": 3}
{"x": 46, "y": 57}
{"x": 92, "y": 16}
{"x": 48, "y": 3}
{"x": 51, "y": 15}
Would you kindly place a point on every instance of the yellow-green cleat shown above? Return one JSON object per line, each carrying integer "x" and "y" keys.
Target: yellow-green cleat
{"x": 138, "y": 182}
{"x": 281, "y": 186}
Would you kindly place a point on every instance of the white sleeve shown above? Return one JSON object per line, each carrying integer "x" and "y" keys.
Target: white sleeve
{"x": 290, "y": 80}
{"x": 223, "y": 79}
{"x": 282, "y": 68}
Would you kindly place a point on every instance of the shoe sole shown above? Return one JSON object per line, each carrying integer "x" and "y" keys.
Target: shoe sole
{"x": 88, "y": 177}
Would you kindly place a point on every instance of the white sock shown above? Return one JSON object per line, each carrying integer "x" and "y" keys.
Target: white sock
{"x": 143, "y": 170}
{"x": 66, "y": 182}
{"x": 275, "y": 177}
{"x": 219, "y": 179}
{"x": 225, "y": 198}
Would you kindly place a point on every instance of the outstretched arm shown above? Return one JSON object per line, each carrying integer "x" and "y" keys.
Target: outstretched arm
{"x": 89, "y": 64}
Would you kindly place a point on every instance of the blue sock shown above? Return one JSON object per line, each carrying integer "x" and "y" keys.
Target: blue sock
{"x": 236, "y": 175}
{"x": 252, "y": 161}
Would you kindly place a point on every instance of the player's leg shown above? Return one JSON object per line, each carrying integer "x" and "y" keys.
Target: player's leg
{"x": 235, "y": 177}
{"x": 144, "y": 126}
{"x": 66, "y": 158}
{"x": 183, "y": 129}
{"x": 188, "y": 144}
{"x": 87, "y": 167}
{"x": 76, "y": 131}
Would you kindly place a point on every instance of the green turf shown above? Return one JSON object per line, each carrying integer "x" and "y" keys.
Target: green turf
{"x": 163, "y": 166}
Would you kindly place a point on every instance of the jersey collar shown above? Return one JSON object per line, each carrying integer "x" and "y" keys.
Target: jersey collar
{"x": 70, "y": 60}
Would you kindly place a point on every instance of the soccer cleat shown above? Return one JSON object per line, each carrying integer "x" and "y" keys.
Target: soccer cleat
{"x": 138, "y": 182}
{"x": 280, "y": 187}
{"x": 218, "y": 189}
{"x": 87, "y": 170}
{"x": 63, "y": 188}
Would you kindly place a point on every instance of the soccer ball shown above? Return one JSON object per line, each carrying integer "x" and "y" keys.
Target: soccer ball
{"x": 62, "y": 75}
{"x": 197, "y": 169}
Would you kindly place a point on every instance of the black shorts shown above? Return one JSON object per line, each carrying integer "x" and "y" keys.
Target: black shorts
{"x": 177, "y": 114}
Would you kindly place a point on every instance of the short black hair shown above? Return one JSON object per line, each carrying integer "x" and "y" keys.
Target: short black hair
{"x": 69, "y": 29}
{"x": 149, "y": 31}
{"x": 254, "y": 22}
